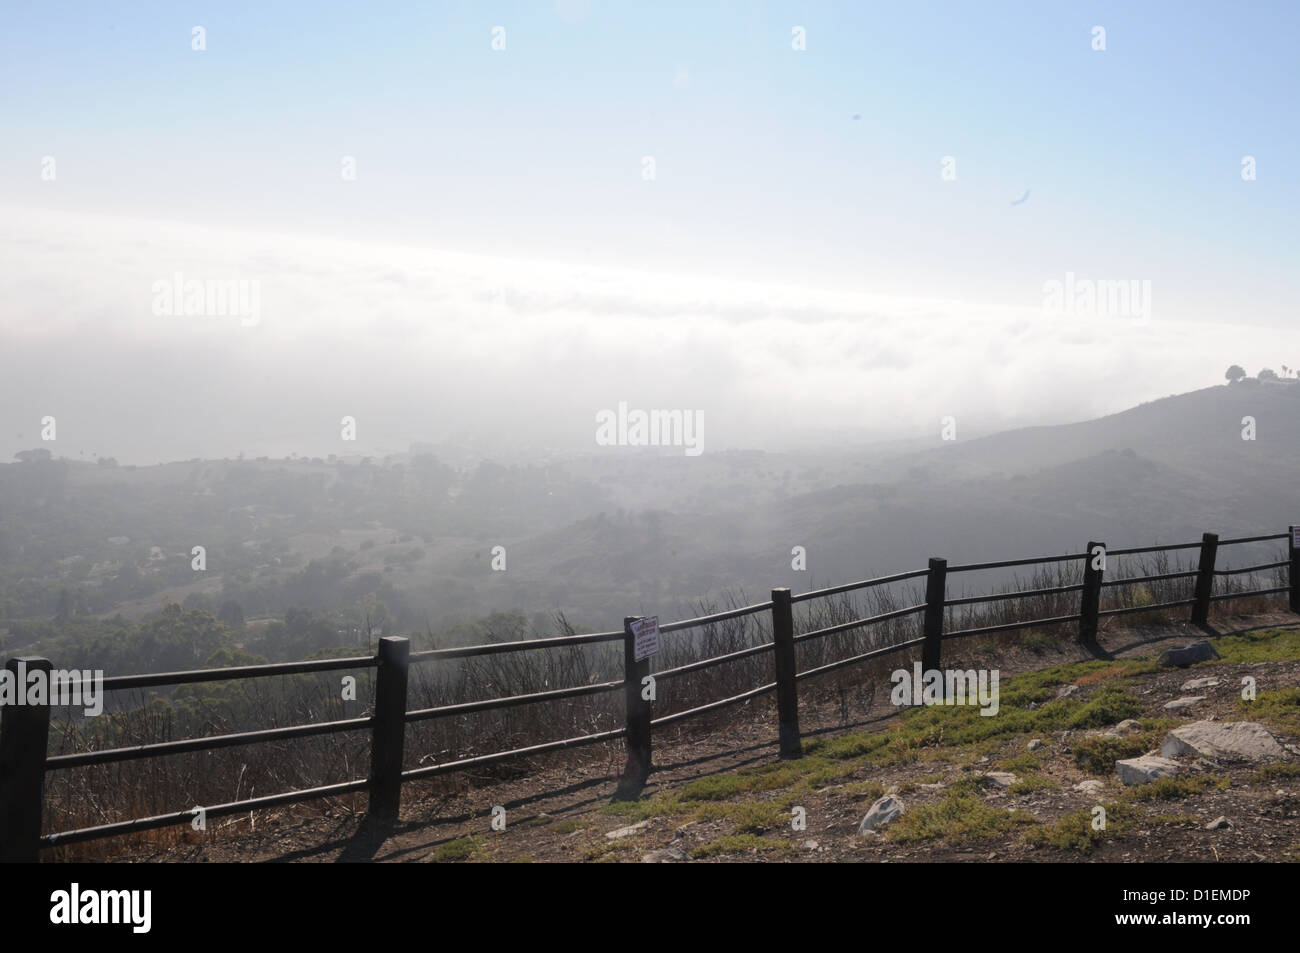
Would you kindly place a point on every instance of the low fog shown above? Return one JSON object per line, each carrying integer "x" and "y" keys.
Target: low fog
{"x": 517, "y": 358}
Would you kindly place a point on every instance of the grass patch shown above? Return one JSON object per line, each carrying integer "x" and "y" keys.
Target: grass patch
{"x": 1173, "y": 788}
{"x": 663, "y": 804}
{"x": 1276, "y": 772}
{"x": 740, "y": 843}
{"x": 1106, "y": 707}
{"x": 462, "y": 848}
{"x": 566, "y": 827}
{"x": 717, "y": 788}
{"x": 962, "y": 817}
{"x": 1030, "y": 783}
{"x": 748, "y": 817}
{"x": 1270, "y": 645}
{"x": 865, "y": 790}
{"x": 1022, "y": 763}
{"x": 1075, "y": 831}
{"x": 1278, "y": 708}
{"x": 1098, "y": 755}
{"x": 1181, "y": 818}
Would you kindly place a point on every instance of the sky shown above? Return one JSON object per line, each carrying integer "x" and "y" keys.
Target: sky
{"x": 799, "y": 220}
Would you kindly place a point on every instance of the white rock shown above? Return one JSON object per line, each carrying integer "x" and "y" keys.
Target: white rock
{"x": 1218, "y": 824}
{"x": 1065, "y": 691}
{"x": 1034, "y": 744}
{"x": 1196, "y": 684}
{"x": 1226, "y": 740}
{"x": 1090, "y": 786}
{"x": 1129, "y": 724}
{"x": 1146, "y": 768}
{"x": 1187, "y": 702}
{"x": 1003, "y": 779}
{"x": 885, "y": 811}
{"x": 627, "y": 831}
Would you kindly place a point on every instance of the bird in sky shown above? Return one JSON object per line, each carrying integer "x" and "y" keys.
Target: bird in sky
{"x": 1022, "y": 199}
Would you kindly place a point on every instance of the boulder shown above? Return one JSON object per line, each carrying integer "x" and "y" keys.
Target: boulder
{"x": 1091, "y": 786}
{"x": 1223, "y": 740}
{"x": 1180, "y": 703}
{"x": 1201, "y": 651}
{"x": 1145, "y": 769}
{"x": 1218, "y": 824}
{"x": 1196, "y": 684}
{"x": 885, "y": 811}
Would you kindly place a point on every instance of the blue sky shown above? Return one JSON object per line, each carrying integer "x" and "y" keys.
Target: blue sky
{"x": 226, "y": 163}
{"x": 1132, "y": 155}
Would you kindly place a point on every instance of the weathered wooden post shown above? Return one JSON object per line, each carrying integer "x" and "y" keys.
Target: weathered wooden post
{"x": 388, "y": 731}
{"x": 1294, "y": 570}
{"x": 637, "y": 768}
{"x": 24, "y": 734}
{"x": 1093, "y": 569}
{"x": 1205, "y": 578}
{"x": 787, "y": 697}
{"x": 935, "y": 593}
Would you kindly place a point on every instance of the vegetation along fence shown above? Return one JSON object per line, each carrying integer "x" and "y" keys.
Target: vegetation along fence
{"x": 24, "y": 728}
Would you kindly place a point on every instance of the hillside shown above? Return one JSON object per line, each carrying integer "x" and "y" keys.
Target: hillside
{"x": 408, "y": 541}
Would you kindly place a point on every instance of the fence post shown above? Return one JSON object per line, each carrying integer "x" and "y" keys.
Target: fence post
{"x": 1091, "y": 603}
{"x": 935, "y": 593}
{"x": 637, "y": 768}
{"x": 388, "y": 732}
{"x": 787, "y": 692}
{"x": 24, "y": 734}
{"x": 1205, "y": 578}
{"x": 1294, "y": 578}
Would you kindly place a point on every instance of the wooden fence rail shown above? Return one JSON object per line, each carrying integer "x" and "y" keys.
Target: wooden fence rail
{"x": 24, "y": 728}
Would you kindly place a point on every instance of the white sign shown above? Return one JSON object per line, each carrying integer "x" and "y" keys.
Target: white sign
{"x": 645, "y": 638}
{"x": 1295, "y": 537}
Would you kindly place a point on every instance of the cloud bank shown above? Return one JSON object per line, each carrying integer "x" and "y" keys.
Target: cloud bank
{"x": 517, "y": 356}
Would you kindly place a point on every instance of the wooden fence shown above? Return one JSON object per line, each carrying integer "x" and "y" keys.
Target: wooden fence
{"x": 24, "y": 729}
